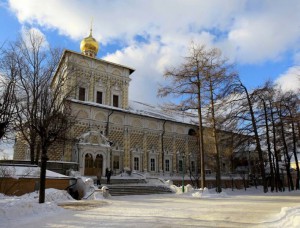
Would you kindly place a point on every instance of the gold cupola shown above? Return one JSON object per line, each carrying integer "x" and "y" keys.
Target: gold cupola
{"x": 89, "y": 46}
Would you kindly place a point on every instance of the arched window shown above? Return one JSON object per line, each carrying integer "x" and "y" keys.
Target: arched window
{"x": 88, "y": 165}
{"x": 192, "y": 132}
{"x": 98, "y": 161}
{"x": 89, "y": 161}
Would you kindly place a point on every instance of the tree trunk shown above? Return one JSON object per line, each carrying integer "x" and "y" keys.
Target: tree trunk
{"x": 218, "y": 171}
{"x": 294, "y": 147}
{"x": 287, "y": 157}
{"x": 44, "y": 159}
{"x": 278, "y": 182}
{"x": 258, "y": 147}
{"x": 269, "y": 147}
{"x": 201, "y": 148}
{"x": 201, "y": 143}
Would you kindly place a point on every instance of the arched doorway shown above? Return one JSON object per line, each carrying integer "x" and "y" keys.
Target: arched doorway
{"x": 91, "y": 167}
{"x": 88, "y": 165}
{"x": 98, "y": 164}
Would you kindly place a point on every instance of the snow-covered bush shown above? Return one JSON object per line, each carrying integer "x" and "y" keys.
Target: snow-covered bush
{"x": 105, "y": 192}
{"x": 127, "y": 171}
{"x": 188, "y": 188}
{"x": 169, "y": 182}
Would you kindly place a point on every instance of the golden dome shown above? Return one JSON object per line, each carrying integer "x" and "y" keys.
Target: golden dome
{"x": 89, "y": 46}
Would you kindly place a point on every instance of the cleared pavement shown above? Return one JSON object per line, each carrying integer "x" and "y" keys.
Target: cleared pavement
{"x": 175, "y": 211}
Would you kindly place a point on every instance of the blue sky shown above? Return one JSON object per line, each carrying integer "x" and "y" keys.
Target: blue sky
{"x": 260, "y": 36}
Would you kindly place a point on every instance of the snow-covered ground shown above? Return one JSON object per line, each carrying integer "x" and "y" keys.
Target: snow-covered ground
{"x": 195, "y": 208}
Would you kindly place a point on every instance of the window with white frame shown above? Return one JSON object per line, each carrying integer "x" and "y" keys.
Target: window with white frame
{"x": 152, "y": 164}
{"x": 136, "y": 164}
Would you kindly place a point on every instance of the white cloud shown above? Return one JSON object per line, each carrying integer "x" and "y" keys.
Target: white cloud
{"x": 266, "y": 33}
{"x": 34, "y": 33}
{"x": 290, "y": 80}
{"x": 125, "y": 19}
{"x": 255, "y": 31}
{"x": 149, "y": 61}
{"x": 247, "y": 31}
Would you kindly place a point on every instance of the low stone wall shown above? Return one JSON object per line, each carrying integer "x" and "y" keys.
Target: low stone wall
{"x": 55, "y": 166}
{"x": 21, "y": 186}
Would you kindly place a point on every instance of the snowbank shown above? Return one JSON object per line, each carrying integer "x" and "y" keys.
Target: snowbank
{"x": 288, "y": 217}
{"x": 14, "y": 210}
{"x": 189, "y": 191}
{"x": 28, "y": 206}
{"x": 178, "y": 190}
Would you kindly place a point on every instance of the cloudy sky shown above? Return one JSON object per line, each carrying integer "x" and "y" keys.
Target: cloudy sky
{"x": 260, "y": 36}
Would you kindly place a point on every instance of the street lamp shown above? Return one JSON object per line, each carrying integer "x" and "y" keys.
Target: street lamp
{"x": 183, "y": 169}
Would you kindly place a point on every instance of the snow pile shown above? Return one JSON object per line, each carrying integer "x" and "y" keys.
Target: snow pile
{"x": 19, "y": 210}
{"x": 288, "y": 217}
{"x": 74, "y": 173}
{"x": 54, "y": 195}
{"x": 207, "y": 194}
{"x": 197, "y": 193}
{"x": 28, "y": 205}
{"x": 189, "y": 188}
{"x": 98, "y": 195}
{"x": 169, "y": 182}
{"x": 88, "y": 187}
{"x": 178, "y": 190}
{"x": 189, "y": 191}
{"x": 105, "y": 192}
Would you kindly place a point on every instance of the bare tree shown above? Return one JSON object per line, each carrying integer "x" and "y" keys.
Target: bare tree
{"x": 263, "y": 95}
{"x": 248, "y": 123}
{"x": 44, "y": 113}
{"x": 218, "y": 76}
{"x": 292, "y": 103}
{"x": 52, "y": 122}
{"x": 8, "y": 74}
{"x": 201, "y": 82}
{"x": 35, "y": 64}
{"x": 287, "y": 107}
{"x": 187, "y": 84}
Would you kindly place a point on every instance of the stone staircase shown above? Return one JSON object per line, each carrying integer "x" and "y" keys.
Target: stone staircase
{"x": 136, "y": 184}
{"x": 121, "y": 190}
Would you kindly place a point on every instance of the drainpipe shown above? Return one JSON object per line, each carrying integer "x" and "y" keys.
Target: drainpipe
{"x": 106, "y": 134}
{"x": 77, "y": 151}
{"x": 162, "y": 146}
{"x": 107, "y": 123}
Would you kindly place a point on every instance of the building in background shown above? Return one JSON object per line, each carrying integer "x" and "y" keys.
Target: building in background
{"x": 113, "y": 132}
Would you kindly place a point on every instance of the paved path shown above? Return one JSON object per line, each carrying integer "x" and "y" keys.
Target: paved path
{"x": 174, "y": 211}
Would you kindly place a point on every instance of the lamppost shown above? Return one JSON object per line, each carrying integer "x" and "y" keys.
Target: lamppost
{"x": 183, "y": 169}
{"x": 282, "y": 174}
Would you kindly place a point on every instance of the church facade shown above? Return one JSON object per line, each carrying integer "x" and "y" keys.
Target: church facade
{"x": 113, "y": 132}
